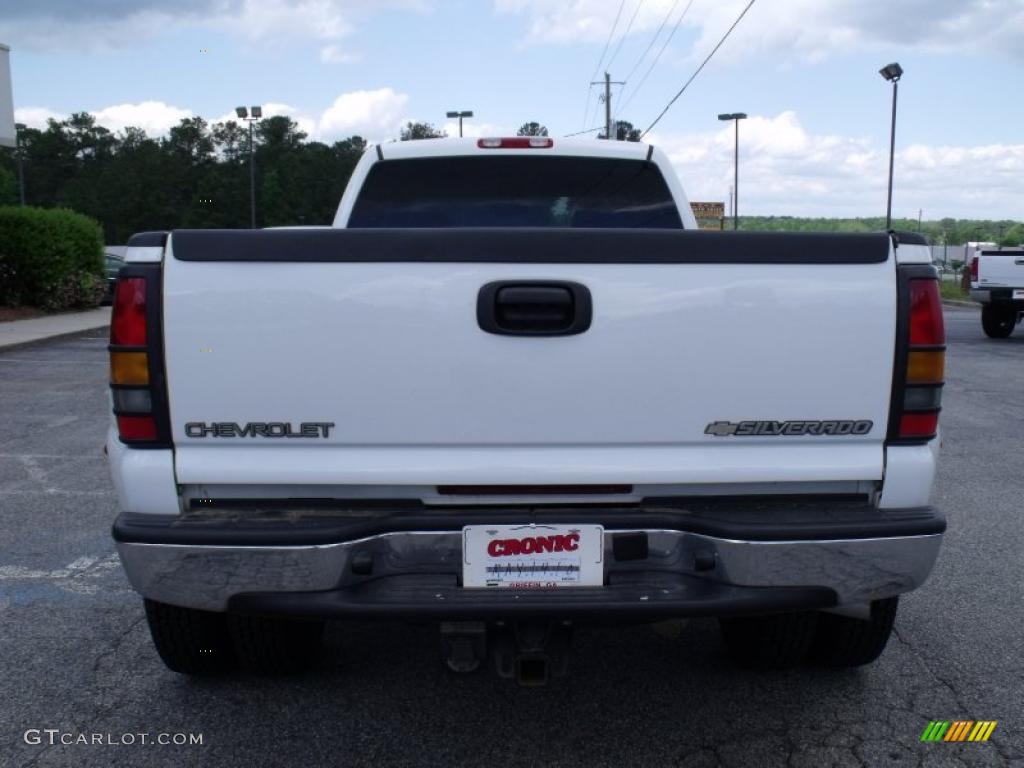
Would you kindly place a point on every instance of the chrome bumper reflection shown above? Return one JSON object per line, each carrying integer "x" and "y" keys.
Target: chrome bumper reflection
{"x": 206, "y": 577}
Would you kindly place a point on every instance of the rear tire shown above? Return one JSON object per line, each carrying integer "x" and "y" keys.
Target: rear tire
{"x": 998, "y": 322}
{"x": 273, "y": 646}
{"x": 769, "y": 642}
{"x": 842, "y": 641}
{"x": 190, "y": 641}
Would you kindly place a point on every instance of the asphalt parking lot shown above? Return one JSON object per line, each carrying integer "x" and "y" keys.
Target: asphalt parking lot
{"x": 75, "y": 653}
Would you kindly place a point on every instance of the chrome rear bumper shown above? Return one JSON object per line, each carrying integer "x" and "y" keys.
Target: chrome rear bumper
{"x": 681, "y": 573}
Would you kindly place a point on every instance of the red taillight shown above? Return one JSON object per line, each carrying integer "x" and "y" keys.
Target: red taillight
{"x": 136, "y": 427}
{"x": 516, "y": 142}
{"x": 974, "y": 269}
{"x": 131, "y": 382}
{"x": 926, "y": 326}
{"x": 918, "y": 403}
{"x": 128, "y": 320}
{"x": 919, "y": 425}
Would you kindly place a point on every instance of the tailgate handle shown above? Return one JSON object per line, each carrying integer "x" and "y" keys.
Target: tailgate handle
{"x": 534, "y": 308}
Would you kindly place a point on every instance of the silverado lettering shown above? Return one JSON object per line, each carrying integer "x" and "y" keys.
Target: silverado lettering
{"x": 787, "y": 428}
{"x": 258, "y": 429}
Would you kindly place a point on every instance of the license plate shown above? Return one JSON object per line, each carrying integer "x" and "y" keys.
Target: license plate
{"x": 1018, "y": 293}
{"x": 532, "y": 556}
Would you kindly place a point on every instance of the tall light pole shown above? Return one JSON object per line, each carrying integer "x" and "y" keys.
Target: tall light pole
{"x": 460, "y": 115}
{"x": 20, "y": 151}
{"x": 891, "y": 72}
{"x": 735, "y": 117}
{"x": 251, "y": 116}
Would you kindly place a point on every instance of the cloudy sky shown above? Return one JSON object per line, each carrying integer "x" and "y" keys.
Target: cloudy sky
{"x": 806, "y": 71}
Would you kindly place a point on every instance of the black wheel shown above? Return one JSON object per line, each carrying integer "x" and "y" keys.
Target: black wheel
{"x": 190, "y": 641}
{"x": 841, "y": 641}
{"x": 769, "y": 642}
{"x": 272, "y": 646}
{"x": 998, "y": 322}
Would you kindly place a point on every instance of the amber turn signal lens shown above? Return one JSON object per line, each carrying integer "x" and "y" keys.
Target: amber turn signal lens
{"x": 925, "y": 367}
{"x": 129, "y": 368}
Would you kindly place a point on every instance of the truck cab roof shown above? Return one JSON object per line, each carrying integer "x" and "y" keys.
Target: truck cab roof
{"x": 471, "y": 146}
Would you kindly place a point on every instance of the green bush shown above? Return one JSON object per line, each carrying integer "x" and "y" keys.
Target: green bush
{"x": 50, "y": 258}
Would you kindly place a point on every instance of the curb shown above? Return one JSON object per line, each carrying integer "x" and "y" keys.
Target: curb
{"x": 954, "y": 303}
{"x": 55, "y": 337}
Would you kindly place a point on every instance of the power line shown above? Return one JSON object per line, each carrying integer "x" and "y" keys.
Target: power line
{"x": 698, "y": 70}
{"x": 625, "y": 34}
{"x": 597, "y": 69}
{"x": 589, "y": 130}
{"x": 653, "y": 39}
{"x": 658, "y": 56}
{"x": 611, "y": 34}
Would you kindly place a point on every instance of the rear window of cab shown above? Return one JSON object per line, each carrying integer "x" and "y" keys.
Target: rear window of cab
{"x": 515, "y": 191}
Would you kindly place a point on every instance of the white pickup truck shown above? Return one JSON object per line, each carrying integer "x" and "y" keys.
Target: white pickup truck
{"x": 514, "y": 390}
{"x": 997, "y": 281}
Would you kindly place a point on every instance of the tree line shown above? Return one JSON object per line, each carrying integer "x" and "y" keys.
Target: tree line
{"x": 946, "y": 231}
{"x": 197, "y": 175}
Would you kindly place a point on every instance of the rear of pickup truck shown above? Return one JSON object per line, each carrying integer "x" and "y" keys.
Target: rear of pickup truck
{"x": 997, "y": 281}
{"x": 511, "y": 391}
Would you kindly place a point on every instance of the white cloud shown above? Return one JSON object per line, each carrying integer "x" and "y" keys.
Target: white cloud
{"x": 119, "y": 24}
{"x": 375, "y": 115}
{"x": 556, "y": 21}
{"x": 277, "y": 19}
{"x": 806, "y": 29}
{"x": 785, "y": 170}
{"x": 154, "y": 117}
{"x": 36, "y": 117}
{"x": 306, "y": 123}
{"x": 476, "y": 129}
{"x": 334, "y": 54}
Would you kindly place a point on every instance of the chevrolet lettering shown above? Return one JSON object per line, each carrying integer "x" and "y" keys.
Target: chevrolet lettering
{"x": 258, "y": 429}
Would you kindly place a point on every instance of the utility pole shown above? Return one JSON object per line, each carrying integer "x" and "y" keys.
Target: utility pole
{"x": 251, "y": 115}
{"x": 20, "y": 151}
{"x": 608, "y": 108}
{"x": 891, "y": 72}
{"x": 609, "y": 129}
{"x": 252, "y": 181}
{"x": 460, "y": 114}
{"x": 735, "y": 117}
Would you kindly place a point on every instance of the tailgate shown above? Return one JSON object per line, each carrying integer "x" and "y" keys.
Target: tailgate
{"x": 376, "y": 332}
{"x": 1001, "y": 269}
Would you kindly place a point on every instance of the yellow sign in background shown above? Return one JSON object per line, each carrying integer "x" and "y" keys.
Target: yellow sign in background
{"x": 709, "y": 215}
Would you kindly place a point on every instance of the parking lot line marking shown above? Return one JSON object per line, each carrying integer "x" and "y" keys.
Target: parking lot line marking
{"x": 52, "y": 362}
{"x": 54, "y": 492}
{"x": 33, "y": 469}
{"x": 98, "y": 456}
{"x": 75, "y": 569}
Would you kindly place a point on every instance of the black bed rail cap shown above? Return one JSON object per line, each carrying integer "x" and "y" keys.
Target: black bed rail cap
{"x": 909, "y": 238}
{"x": 530, "y": 245}
{"x": 148, "y": 239}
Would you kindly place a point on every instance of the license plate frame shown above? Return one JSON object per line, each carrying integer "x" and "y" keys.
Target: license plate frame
{"x": 506, "y": 556}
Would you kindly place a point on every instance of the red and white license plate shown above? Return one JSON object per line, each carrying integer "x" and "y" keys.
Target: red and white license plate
{"x": 532, "y": 556}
